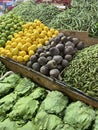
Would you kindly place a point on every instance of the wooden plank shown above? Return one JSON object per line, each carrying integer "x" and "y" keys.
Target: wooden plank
{"x": 83, "y": 36}
{"x": 47, "y": 82}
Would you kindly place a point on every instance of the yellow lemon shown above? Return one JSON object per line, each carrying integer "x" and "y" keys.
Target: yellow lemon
{"x": 14, "y": 57}
{"x": 31, "y": 52}
{"x": 33, "y": 48}
{"x": 22, "y": 53}
{"x": 26, "y": 58}
{"x": 8, "y": 43}
{"x": 19, "y": 45}
{"x": 56, "y": 32}
{"x": 46, "y": 28}
{"x": 39, "y": 45}
{"x": 20, "y": 58}
{"x": 14, "y": 44}
{"x": 28, "y": 44}
{"x": 7, "y": 47}
{"x": 15, "y": 51}
{"x": 24, "y": 47}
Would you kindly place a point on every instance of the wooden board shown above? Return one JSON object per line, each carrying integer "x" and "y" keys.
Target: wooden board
{"x": 83, "y": 36}
{"x": 47, "y": 82}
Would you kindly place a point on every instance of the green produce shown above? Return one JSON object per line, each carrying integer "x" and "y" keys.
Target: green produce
{"x": 55, "y": 102}
{"x": 82, "y": 71}
{"x": 95, "y": 126}
{"x": 9, "y": 24}
{"x": 24, "y": 109}
{"x": 8, "y": 84}
{"x": 79, "y": 115}
{"x": 7, "y": 124}
{"x": 82, "y": 16}
{"x": 30, "y": 12}
{"x": 28, "y": 126}
{"x": 3, "y": 69}
{"x": 24, "y": 87}
{"x": 46, "y": 121}
{"x": 64, "y": 126}
{"x": 38, "y": 93}
{"x": 7, "y": 102}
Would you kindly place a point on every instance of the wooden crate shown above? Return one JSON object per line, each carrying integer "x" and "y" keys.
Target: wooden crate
{"x": 47, "y": 82}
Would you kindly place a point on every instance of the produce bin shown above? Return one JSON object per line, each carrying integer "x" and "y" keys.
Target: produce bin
{"x": 47, "y": 82}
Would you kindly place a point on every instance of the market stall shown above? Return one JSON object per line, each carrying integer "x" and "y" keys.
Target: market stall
{"x": 48, "y": 67}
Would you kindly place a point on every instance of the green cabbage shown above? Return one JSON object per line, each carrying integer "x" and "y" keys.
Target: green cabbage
{"x": 24, "y": 109}
{"x": 79, "y": 115}
{"x": 46, "y": 121}
{"x": 55, "y": 102}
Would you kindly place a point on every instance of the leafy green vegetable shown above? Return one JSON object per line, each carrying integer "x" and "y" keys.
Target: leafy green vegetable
{"x": 95, "y": 125}
{"x": 79, "y": 115}
{"x": 24, "y": 87}
{"x": 5, "y": 88}
{"x": 47, "y": 121}
{"x": 55, "y": 102}
{"x": 24, "y": 109}
{"x": 64, "y": 127}
{"x": 8, "y": 125}
{"x": 38, "y": 93}
{"x": 6, "y": 103}
{"x": 28, "y": 126}
{"x": 3, "y": 69}
{"x": 12, "y": 79}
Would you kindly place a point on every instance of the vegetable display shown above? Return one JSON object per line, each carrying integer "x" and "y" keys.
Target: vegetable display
{"x": 26, "y": 42}
{"x": 81, "y": 17}
{"x": 82, "y": 71}
{"x": 30, "y": 11}
{"x": 9, "y": 24}
{"x": 3, "y": 69}
{"x": 28, "y": 106}
{"x": 52, "y": 58}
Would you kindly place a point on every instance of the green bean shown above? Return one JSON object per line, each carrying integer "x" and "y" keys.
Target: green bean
{"x": 82, "y": 71}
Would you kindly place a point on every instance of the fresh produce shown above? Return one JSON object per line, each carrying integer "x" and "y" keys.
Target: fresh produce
{"x": 95, "y": 126}
{"x": 82, "y": 117}
{"x": 82, "y": 71}
{"x": 3, "y": 69}
{"x": 30, "y": 11}
{"x": 9, "y": 24}
{"x": 29, "y": 106}
{"x": 24, "y": 43}
{"x": 52, "y": 58}
{"x": 82, "y": 16}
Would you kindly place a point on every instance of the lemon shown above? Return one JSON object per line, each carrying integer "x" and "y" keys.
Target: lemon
{"x": 15, "y": 51}
{"x": 7, "y": 47}
{"x": 24, "y": 47}
{"x": 22, "y": 53}
{"x": 19, "y": 45}
{"x": 14, "y": 57}
{"x": 39, "y": 45}
{"x": 31, "y": 52}
{"x": 14, "y": 44}
{"x": 20, "y": 58}
{"x": 26, "y": 58}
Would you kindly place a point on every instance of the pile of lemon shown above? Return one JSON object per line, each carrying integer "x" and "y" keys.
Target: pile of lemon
{"x": 9, "y": 24}
{"x": 25, "y": 43}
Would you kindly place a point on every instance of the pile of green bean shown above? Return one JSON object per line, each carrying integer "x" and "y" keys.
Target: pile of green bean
{"x": 82, "y": 73}
{"x": 30, "y": 11}
{"x": 81, "y": 17}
